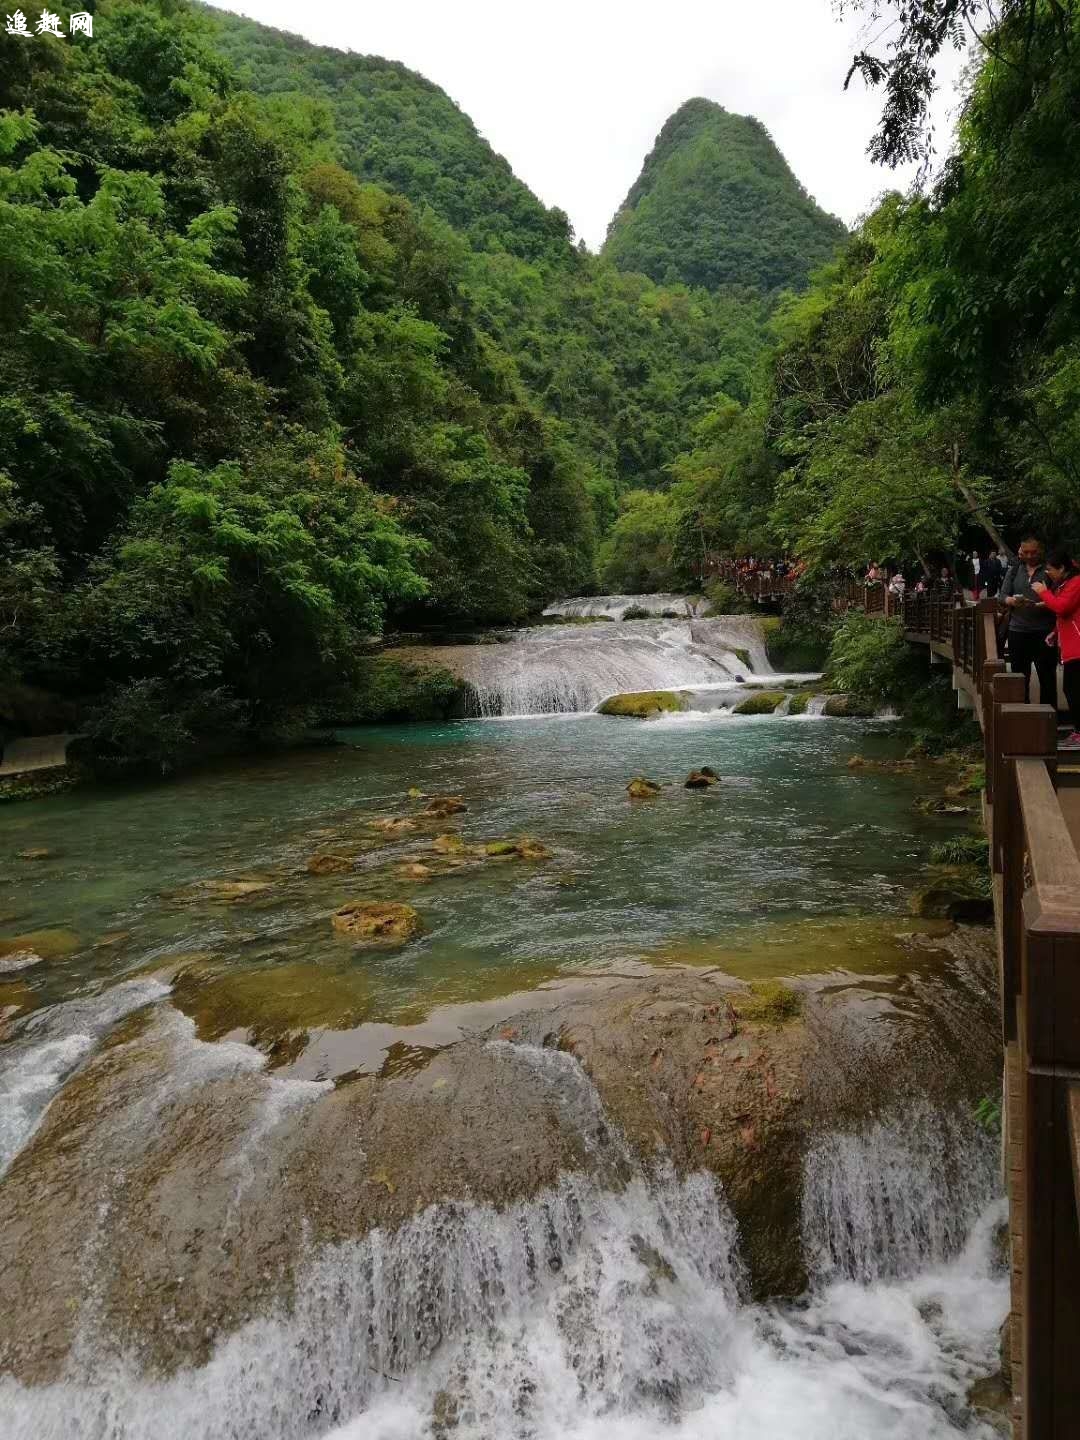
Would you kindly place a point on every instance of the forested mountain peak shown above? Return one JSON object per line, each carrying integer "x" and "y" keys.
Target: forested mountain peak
{"x": 717, "y": 204}
{"x": 397, "y": 129}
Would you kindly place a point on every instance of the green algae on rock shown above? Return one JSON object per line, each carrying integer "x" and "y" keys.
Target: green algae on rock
{"x": 849, "y": 707}
{"x": 642, "y": 789}
{"x": 640, "y": 705}
{"x": 377, "y": 921}
{"x": 764, "y": 702}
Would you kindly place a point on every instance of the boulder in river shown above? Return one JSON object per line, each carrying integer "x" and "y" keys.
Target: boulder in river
{"x": 38, "y": 852}
{"x": 20, "y": 960}
{"x": 644, "y": 704}
{"x": 642, "y": 789}
{"x": 378, "y": 921}
{"x": 701, "y": 779}
{"x": 449, "y": 844}
{"x": 440, "y": 806}
{"x": 524, "y": 849}
{"x": 762, "y": 702}
{"x": 849, "y": 707}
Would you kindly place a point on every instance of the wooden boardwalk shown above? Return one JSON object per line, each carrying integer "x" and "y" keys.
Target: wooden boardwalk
{"x": 1032, "y": 814}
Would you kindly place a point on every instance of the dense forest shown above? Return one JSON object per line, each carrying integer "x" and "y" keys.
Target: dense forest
{"x": 290, "y": 355}
{"x": 716, "y": 204}
{"x": 288, "y": 350}
{"x": 924, "y": 392}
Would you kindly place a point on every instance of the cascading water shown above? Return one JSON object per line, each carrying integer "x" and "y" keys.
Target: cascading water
{"x": 904, "y": 1194}
{"x": 573, "y": 668}
{"x": 592, "y": 1309}
{"x": 614, "y": 607}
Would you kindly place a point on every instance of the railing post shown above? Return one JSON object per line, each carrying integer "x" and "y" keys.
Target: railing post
{"x": 1028, "y": 731}
{"x": 1050, "y": 1062}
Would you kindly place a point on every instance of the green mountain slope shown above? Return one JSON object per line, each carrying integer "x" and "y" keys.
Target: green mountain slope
{"x": 399, "y": 130}
{"x": 625, "y": 366}
{"x": 717, "y": 204}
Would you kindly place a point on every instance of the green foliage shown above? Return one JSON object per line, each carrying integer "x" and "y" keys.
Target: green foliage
{"x": 638, "y": 556}
{"x": 716, "y": 204}
{"x": 987, "y": 1114}
{"x": 869, "y": 658}
{"x": 724, "y": 599}
{"x": 386, "y": 689}
{"x": 622, "y": 364}
{"x": 962, "y": 850}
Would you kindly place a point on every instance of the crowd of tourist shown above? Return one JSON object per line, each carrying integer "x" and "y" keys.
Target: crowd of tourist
{"x": 1039, "y": 597}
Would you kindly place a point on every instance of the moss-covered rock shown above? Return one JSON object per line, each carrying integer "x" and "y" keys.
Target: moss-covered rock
{"x": 763, "y": 702}
{"x": 849, "y": 707}
{"x": 49, "y": 944}
{"x": 642, "y": 789}
{"x": 769, "y": 1002}
{"x": 799, "y": 703}
{"x": 955, "y": 892}
{"x": 524, "y": 849}
{"x": 642, "y": 704}
{"x": 376, "y": 921}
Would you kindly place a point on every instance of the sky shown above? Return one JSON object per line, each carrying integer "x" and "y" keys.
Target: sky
{"x": 574, "y": 92}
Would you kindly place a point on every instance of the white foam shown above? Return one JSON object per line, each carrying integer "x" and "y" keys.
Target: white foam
{"x": 48, "y": 1047}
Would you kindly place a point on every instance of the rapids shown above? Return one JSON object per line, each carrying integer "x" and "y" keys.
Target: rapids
{"x": 257, "y": 1183}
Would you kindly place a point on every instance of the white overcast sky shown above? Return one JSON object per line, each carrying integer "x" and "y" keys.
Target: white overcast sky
{"x": 573, "y": 92}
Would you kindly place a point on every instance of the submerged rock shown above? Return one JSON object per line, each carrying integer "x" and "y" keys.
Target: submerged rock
{"x": 524, "y": 849}
{"x": 440, "y": 806}
{"x": 642, "y": 789}
{"x": 328, "y": 864}
{"x": 449, "y": 844}
{"x": 376, "y": 920}
{"x": 393, "y": 826}
{"x": 46, "y": 944}
{"x": 643, "y": 704}
{"x": 37, "y": 853}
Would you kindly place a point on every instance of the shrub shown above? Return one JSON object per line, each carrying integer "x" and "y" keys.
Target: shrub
{"x": 871, "y": 659}
{"x": 635, "y": 612}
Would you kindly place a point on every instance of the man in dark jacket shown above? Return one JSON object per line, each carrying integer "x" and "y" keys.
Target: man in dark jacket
{"x": 993, "y": 573}
{"x": 1030, "y": 622}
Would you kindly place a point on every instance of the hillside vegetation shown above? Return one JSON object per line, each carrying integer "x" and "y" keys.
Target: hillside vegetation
{"x": 716, "y": 204}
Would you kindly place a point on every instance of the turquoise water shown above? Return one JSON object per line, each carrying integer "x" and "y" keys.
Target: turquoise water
{"x": 788, "y": 834}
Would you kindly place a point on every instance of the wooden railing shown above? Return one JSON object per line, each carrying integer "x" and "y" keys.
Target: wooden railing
{"x": 1036, "y": 876}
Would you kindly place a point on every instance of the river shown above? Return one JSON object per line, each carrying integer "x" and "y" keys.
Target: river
{"x": 174, "y": 1046}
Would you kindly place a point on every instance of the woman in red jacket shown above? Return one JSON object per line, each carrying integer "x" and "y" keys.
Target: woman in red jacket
{"x": 1064, "y": 601}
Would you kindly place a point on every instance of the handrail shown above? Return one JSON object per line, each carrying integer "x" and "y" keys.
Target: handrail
{"x": 1036, "y": 869}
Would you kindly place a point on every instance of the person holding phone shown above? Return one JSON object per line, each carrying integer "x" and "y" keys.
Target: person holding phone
{"x": 1030, "y": 621}
{"x": 1063, "y": 601}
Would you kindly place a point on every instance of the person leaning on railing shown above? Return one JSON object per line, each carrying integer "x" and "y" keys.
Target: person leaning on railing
{"x": 1064, "y": 602}
{"x": 1030, "y": 621}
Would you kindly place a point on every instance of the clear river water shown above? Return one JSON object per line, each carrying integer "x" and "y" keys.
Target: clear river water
{"x": 794, "y": 864}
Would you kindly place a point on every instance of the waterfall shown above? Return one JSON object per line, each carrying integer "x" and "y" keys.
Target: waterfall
{"x": 51, "y": 1045}
{"x": 572, "y": 668}
{"x": 614, "y": 607}
{"x": 594, "y": 1310}
{"x": 904, "y": 1193}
